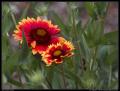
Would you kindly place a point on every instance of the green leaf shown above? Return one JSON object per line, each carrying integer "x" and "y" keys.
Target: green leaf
{"x": 112, "y": 57}
{"x": 56, "y": 81}
{"x": 36, "y": 79}
{"x": 102, "y": 53}
{"x": 56, "y": 19}
{"x": 10, "y": 64}
{"x": 93, "y": 33}
{"x": 34, "y": 61}
{"x": 101, "y": 8}
{"x": 90, "y": 6}
{"x": 5, "y": 47}
{"x": 31, "y": 62}
{"x": 36, "y": 76}
{"x": 14, "y": 82}
{"x": 41, "y": 10}
{"x": 25, "y": 11}
{"x": 50, "y": 74}
{"x": 70, "y": 75}
{"x": 89, "y": 33}
{"x": 4, "y": 79}
{"x": 69, "y": 63}
{"x": 6, "y": 26}
{"x": 84, "y": 48}
{"x": 24, "y": 50}
{"x": 89, "y": 80}
{"x": 98, "y": 31}
{"x": 114, "y": 84}
{"x": 12, "y": 16}
{"x": 79, "y": 28}
{"x": 73, "y": 76}
{"x": 110, "y": 38}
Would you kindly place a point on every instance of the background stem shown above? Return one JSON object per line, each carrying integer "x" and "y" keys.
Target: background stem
{"x": 63, "y": 76}
{"x": 110, "y": 76}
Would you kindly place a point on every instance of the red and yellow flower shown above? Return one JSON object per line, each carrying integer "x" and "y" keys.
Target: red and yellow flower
{"x": 36, "y": 48}
{"x": 39, "y": 33}
{"x": 56, "y": 52}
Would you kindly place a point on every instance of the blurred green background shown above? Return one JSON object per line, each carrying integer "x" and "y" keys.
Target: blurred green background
{"x": 91, "y": 26}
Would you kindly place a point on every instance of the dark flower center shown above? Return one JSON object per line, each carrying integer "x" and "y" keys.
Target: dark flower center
{"x": 57, "y": 53}
{"x": 41, "y": 32}
{"x": 41, "y": 36}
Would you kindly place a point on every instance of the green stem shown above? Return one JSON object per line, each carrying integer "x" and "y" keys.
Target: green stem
{"x": 12, "y": 15}
{"x": 86, "y": 25}
{"x": 94, "y": 59}
{"x": 14, "y": 82}
{"x": 110, "y": 76}
{"x": 76, "y": 35}
{"x": 13, "y": 18}
{"x": 25, "y": 11}
{"x": 63, "y": 76}
{"x": 107, "y": 10}
{"x": 49, "y": 83}
{"x": 19, "y": 76}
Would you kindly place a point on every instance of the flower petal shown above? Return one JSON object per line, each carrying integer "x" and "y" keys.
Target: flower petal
{"x": 34, "y": 51}
{"x": 33, "y": 44}
{"x": 58, "y": 60}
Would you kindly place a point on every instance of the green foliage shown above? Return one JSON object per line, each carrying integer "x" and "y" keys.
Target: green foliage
{"x": 95, "y": 61}
{"x": 96, "y": 10}
{"x": 36, "y": 80}
{"x": 4, "y": 79}
{"x": 91, "y": 9}
{"x": 6, "y": 26}
{"x": 90, "y": 80}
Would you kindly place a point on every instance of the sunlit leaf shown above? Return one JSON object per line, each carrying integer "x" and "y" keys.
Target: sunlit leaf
{"x": 4, "y": 79}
